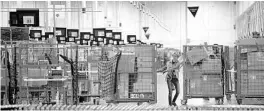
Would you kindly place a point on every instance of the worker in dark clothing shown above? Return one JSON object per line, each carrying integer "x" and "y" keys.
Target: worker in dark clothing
{"x": 172, "y": 68}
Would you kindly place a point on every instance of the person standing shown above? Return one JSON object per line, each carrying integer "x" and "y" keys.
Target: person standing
{"x": 172, "y": 78}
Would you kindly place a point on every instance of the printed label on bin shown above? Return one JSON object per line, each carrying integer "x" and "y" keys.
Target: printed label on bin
{"x": 140, "y": 95}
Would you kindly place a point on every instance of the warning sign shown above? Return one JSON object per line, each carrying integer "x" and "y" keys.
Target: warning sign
{"x": 193, "y": 10}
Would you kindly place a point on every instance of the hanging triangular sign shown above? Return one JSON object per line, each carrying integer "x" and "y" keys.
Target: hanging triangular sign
{"x": 193, "y": 10}
{"x": 145, "y": 29}
{"x": 147, "y": 36}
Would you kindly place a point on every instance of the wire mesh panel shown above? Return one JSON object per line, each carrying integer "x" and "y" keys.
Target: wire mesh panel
{"x": 10, "y": 75}
{"x": 136, "y": 74}
{"x": 250, "y": 71}
{"x": 203, "y": 72}
{"x": 43, "y": 73}
{"x": 107, "y": 70}
{"x": 88, "y": 70}
{"x": 7, "y": 59}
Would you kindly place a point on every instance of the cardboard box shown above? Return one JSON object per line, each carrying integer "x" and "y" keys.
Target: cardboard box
{"x": 196, "y": 55}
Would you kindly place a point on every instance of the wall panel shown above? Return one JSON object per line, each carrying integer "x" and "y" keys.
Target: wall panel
{"x": 214, "y": 20}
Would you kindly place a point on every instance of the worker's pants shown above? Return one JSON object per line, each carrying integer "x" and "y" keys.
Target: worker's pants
{"x": 171, "y": 82}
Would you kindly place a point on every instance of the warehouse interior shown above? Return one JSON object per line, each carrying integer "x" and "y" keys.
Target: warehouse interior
{"x": 94, "y": 53}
